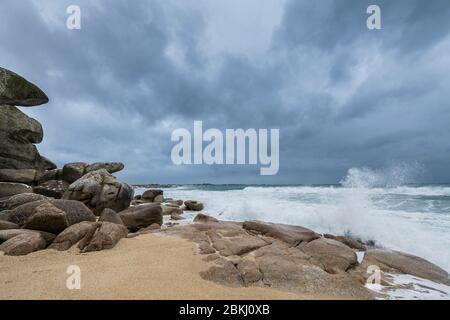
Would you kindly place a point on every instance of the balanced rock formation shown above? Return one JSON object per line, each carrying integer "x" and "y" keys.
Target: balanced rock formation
{"x": 99, "y": 190}
{"x": 15, "y": 90}
{"x": 20, "y": 160}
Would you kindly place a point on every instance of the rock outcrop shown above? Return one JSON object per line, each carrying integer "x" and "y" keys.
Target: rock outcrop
{"x": 99, "y": 190}
{"x": 270, "y": 255}
{"x": 15, "y": 90}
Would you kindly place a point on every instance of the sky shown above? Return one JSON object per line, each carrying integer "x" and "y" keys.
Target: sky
{"x": 343, "y": 96}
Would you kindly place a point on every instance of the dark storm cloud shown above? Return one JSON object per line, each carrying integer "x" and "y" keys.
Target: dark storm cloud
{"x": 342, "y": 95}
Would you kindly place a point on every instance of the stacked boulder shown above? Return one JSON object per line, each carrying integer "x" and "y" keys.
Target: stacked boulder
{"x": 54, "y": 183}
{"x": 42, "y": 206}
{"x": 20, "y": 162}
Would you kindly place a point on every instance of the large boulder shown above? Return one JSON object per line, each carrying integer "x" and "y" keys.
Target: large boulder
{"x": 109, "y": 215}
{"x": 74, "y": 211}
{"x": 142, "y": 216}
{"x": 47, "y": 217}
{"x": 18, "y": 136}
{"x": 99, "y": 190}
{"x": 399, "y": 262}
{"x": 52, "y": 188}
{"x": 5, "y": 235}
{"x": 293, "y": 235}
{"x": 8, "y": 189}
{"x": 332, "y": 254}
{"x": 90, "y": 236}
{"x": 20, "y": 199}
{"x": 23, "y": 244}
{"x": 17, "y": 91}
{"x": 20, "y": 214}
{"x": 106, "y": 236}
{"x": 111, "y": 167}
{"x": 71, "y": 172}
{"x": 72, "y": 235}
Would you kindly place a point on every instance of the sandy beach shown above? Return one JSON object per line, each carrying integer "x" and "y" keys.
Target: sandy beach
{"x": 146, "y": 267}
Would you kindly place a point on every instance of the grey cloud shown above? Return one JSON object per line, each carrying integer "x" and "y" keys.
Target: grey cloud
{"x": 342, "y": 95}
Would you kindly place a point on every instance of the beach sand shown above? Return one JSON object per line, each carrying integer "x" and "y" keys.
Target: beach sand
{"x": 147, "y": 267}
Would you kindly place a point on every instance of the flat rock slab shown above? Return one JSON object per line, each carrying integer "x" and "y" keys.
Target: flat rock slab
{"x": 293, "y": 235}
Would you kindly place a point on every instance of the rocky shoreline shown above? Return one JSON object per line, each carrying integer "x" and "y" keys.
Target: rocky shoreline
{"x": 83, "y": 206}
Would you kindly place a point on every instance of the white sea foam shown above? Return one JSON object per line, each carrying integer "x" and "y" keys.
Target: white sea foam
{"x": 408, "y": 287}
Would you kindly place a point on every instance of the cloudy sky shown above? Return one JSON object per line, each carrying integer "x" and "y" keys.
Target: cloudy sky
{"x": 342, "y": 96}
